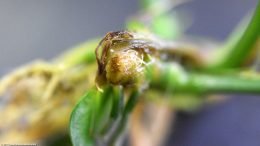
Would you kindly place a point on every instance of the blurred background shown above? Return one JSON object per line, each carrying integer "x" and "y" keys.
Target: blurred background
{"x": 32, "y": 29}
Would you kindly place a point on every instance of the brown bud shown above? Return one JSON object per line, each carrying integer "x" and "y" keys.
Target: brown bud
{"x": 124, "y": 67}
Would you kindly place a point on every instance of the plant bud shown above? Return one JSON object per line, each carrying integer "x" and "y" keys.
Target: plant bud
{"x": 124, "y": 67}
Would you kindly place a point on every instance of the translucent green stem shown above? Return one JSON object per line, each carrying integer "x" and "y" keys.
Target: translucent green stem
{"x": 173, "y": 78}
{"x": 223, "y": 84}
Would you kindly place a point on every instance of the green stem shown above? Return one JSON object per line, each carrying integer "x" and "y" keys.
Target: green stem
{"x": 83, "y": 53}
{"x": 117, "y": 131}
{"x": 173, "y": 78}
{"x": 237, "y": 51}
{"x": 124, "y": 117}
{"x": 223, "y": 84}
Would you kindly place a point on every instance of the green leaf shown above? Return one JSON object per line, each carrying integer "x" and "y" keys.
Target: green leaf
{"x": 146, "y": 4}
{"x": 135, "y": 25}
{"x": 81, "y": 121}
{"x": 166, "y": 26}
{"x": 104, "y": 104}
{"x": 239, "y": 47}
{"x": 94, "y": 113}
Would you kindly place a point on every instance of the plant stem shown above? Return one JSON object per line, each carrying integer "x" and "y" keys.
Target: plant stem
{"x": 175, "y": 79}
{"x": 122, "y": 121}
{"x": 239, "y": 49}
{"x": 223, "y": 84}
{"x": 83, "y": 53}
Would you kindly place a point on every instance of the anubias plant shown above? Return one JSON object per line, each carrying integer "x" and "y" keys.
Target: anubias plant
{"x": 145, "y": 63}
{"x": 132, "y": 63}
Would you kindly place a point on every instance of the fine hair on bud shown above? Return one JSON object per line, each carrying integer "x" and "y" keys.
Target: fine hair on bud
{"x": 124, "y": 67}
